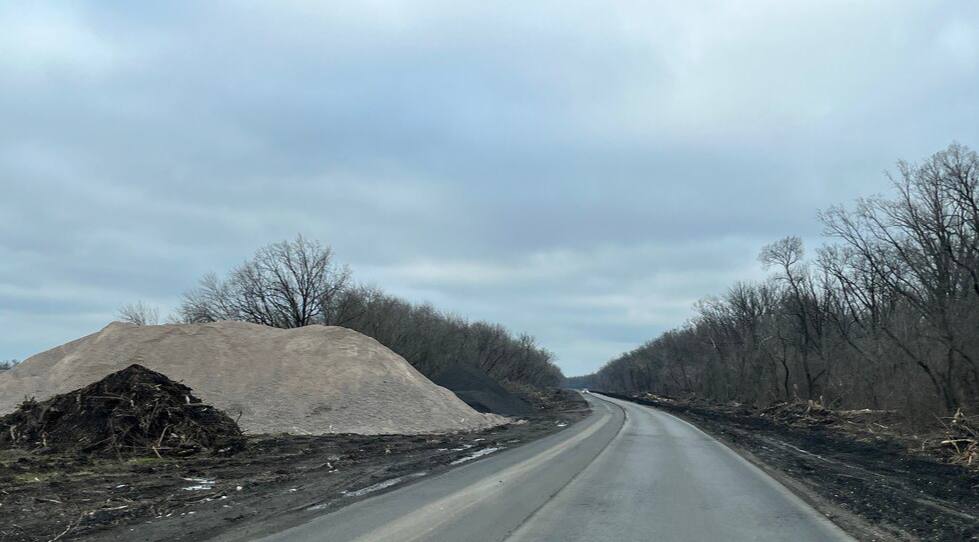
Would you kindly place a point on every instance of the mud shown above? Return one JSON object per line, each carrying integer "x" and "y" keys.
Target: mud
{"x": 276, "y": 482}
{"x": 876, "y": 485}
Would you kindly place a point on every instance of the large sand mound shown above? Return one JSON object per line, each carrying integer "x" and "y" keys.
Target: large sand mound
{"x": 314, "y": 379}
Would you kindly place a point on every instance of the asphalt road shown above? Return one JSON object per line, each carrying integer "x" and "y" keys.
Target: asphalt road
{"x": 627, "y": 472}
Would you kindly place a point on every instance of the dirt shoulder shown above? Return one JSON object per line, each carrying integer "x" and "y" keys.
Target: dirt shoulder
{"x": 872, "y": 484}
{"x": 276, "y": 482}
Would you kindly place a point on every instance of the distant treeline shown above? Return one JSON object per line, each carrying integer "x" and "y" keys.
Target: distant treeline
{"x": 886, "y": 316}
{"x": 297, "y": 283}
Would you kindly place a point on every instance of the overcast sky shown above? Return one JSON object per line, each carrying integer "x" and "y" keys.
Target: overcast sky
{"x": 582, "y": 171}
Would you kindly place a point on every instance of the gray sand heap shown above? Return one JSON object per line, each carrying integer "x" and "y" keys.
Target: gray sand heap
{"x": 310, "y": 380}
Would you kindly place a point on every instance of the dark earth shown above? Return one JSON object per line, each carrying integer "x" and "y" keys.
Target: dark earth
{"x": 275, "y": 482}
{"x": 130, "y": 412}
{"x": 874, "y": 484}
{"x": 481, "y": 392}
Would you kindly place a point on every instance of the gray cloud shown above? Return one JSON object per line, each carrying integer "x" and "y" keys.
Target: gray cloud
{"x": 580, "y": 171}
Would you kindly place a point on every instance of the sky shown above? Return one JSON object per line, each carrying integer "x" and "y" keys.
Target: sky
{"x": 580, "y": 171}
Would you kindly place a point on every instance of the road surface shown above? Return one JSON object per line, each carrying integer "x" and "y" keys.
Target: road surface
{"x": 627, "y": 472}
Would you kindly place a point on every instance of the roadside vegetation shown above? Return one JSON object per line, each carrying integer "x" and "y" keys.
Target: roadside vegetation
{"x": 883, "y": 317}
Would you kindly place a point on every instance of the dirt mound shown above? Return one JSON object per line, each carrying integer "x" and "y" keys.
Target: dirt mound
{"x": 310, "y": 380}
{"x": 481, "y": 392}
{"x": 135, "y": 411}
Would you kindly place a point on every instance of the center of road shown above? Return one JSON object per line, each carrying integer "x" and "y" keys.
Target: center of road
{"x": 483, "y": 500}
{"x": 429, "y": 518}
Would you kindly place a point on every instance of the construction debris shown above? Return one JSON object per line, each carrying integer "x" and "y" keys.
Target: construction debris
{"x": 131, "y": 412}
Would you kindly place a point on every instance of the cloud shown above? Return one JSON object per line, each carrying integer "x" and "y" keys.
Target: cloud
{"x": 40, "y": 43}
{"x": 583, "y": 172}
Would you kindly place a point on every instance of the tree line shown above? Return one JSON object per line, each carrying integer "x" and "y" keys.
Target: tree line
{"x": 298, "y": 283}
{"x": 884, "y": 316}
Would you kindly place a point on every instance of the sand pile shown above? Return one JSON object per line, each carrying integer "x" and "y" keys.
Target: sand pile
{"x": 311, "y": 380}
{"x": 481, "y": 392}
{"x": 134, "y": 411}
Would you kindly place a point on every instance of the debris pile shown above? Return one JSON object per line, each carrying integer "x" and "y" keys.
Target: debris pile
{"x": 660, "y": 398}
{"x": 960, "y": 443}
{"x": 800, "y": 413}
{"x": 312, "y": 380}
{"x": 131, "y": 412}
{"x": 955, "y": 442}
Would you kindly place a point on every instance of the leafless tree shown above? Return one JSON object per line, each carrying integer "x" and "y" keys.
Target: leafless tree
{"x": 297, "y": 283}
{"x": 287, "y": 284}
{"x": 139, "y": 313}
{"x": 886, "y": 316}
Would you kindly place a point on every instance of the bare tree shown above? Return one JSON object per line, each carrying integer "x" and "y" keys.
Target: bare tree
{"x": 139, "y": 313}
{"x": 922, "y": 247}
{"x": 287, "y": 284}
{"x": 887, "y": 316}
{"x": 296, "y": 283}
{"x": 803, "y": 306}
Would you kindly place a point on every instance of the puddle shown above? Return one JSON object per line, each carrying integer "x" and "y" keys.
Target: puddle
{"x": 202, "y": 484}
{"x": 480, "y": 453}
{"x": 381, "y": 485}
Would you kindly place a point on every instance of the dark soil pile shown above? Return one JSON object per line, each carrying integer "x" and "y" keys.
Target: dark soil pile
{"x": 131, "y": 412}
{"x": 478, "y": 390}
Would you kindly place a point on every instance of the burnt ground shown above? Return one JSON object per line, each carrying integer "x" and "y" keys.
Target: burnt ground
{"x": 275, "y": 482}
{"x": 874, "y": 484}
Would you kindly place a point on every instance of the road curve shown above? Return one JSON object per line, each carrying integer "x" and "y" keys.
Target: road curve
{"x": 627, "y": 472}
